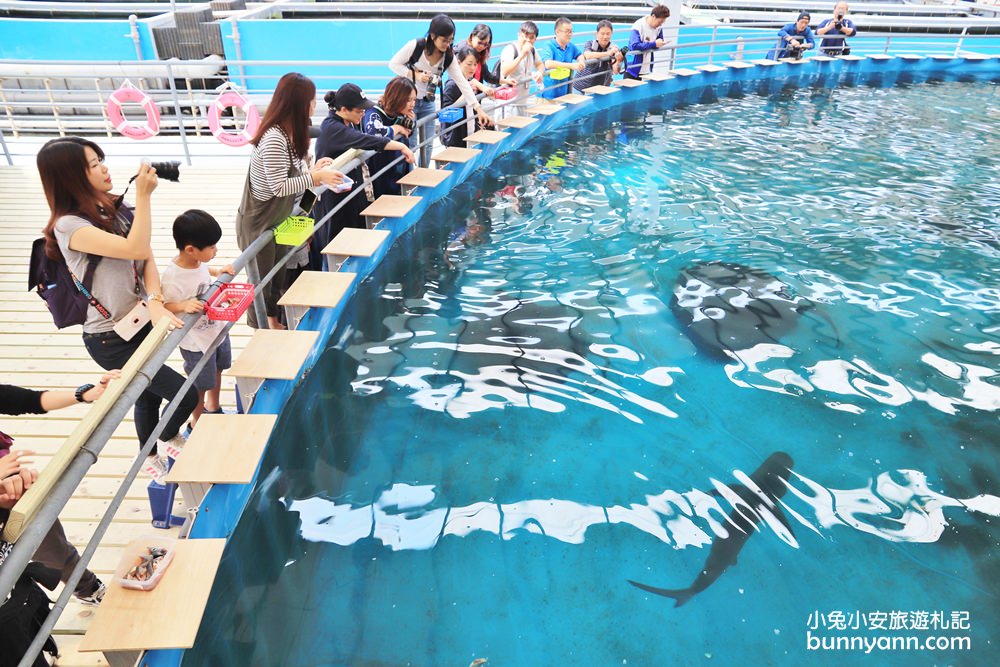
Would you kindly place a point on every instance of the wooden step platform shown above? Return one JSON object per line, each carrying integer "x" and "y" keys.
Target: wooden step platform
{"x": 658, "y": 76}
{"x": 456, "y": 155}
{"x": 516, "y": 121}
{"x": 222, "y": 449}
{"x": 270, "y": 355}
{"x": 570, "y": 98}
{"x": 629, "y": 83}
{"x": 602, "y": 90}
{"x": 710, "y": 68}
{"x": 388, "y": 206}
{"x": 314, "y": 289}
{"x": 129, "y": 622}
{"x": 423, "y": 177}
{"x": 544, "y": 109}
{"x": 352, "y": 242}
{"x": 488, "y": 137}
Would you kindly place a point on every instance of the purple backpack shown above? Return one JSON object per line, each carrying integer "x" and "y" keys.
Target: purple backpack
{"x": 65, "y": 296}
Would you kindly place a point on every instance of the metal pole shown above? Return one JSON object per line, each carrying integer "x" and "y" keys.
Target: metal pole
{"x": 259, "y": 307}
{"x": 134, "y": 34}
{"x": 961, "y": 39}
{"x": 711, "y": 49}
{"x": 177, "y": 111}
{"x": 6, "y": 151}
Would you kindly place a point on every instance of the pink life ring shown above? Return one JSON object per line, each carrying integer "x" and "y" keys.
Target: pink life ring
{"x": 232, "y": 98}
{"x": 129, "y": 93}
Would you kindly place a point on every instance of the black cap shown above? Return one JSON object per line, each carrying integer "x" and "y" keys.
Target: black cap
{"x": 349, "y": 95}
{"x": 803, "y": 15}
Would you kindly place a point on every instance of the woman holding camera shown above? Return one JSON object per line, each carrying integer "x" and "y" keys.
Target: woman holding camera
{"x": 88, "y": 221}
{"x": 279, "y": 173}
{"x": 424, "y": 61}
{"x": 391, "y": 117}
{"x": 340, "y": 132}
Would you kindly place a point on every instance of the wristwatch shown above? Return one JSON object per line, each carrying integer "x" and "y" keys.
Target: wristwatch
{"x": 81, "y": 390}
{"x": 156, "y": 297}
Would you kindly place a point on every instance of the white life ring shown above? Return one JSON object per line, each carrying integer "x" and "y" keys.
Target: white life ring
{"x": 232, "y": 98}
{"x": 129, "y": 93}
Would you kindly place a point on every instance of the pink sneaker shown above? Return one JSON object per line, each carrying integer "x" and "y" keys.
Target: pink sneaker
{"x": 155, "y": 467}
{"x": 172, "y": 447}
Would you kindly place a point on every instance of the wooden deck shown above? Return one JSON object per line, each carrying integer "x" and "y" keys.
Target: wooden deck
{"x": 33, "y": 353}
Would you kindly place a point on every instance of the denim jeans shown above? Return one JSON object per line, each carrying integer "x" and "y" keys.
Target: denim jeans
{"x": 110, "y": 352}
{"x": 422, "y": 109}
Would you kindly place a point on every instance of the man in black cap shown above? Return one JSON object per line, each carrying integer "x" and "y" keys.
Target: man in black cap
{"x": 794, "y": 39}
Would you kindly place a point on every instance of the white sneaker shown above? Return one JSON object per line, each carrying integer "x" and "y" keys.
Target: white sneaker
{"x": 172, "y": 447}
{"x": 155, "y": 467}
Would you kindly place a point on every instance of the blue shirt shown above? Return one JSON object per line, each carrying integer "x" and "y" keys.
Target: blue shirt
{"x": 566, "y": 54}
{"x": 790, "y": 31}
{"x": 835, "y": 39}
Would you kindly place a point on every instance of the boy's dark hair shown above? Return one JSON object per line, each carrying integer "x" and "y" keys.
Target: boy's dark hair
{"x": 196, "y": 228}
{"x": 604, "y": 23}
{"x": 660, "y": 12}
{"x": 529, "y": 28}
{"x": 561, "y": 21}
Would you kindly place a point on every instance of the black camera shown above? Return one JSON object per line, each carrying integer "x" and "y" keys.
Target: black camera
{"x": 405, "y": 122}
{"x": 432, "y": 84}
{"x": 167, "y": 170}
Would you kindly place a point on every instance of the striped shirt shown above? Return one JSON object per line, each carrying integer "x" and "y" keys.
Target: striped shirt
{"x": 269, "y": 168}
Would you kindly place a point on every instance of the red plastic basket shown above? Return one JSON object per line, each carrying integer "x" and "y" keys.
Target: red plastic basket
{"x": 230, "y": 302}
{"x": 505, "y": 93}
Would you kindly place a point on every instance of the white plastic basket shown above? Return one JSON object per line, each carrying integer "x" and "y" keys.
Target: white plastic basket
{"x": 133, "y": 555}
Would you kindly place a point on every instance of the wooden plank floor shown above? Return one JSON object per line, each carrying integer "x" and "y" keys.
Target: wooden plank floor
{"x": 33, "y": 353}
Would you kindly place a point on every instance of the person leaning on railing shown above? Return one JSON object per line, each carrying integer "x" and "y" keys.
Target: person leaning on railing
{"x": 559, "y": 56}
{"x": 340, "y": 132}
{"x": 87, "y": 220}
{"x": 601, "y": 59}
{"x": 424, "y": 61}
{"x": 645, "y": 38}
{"x": 391, "y": 117}
{"x": 279, "y": 172}
{"x": 794, "y": 39}
{"x": 55, "y": 552}
{"x": 457, "y": 131}
{"x": 483, "y": 79}
{"x": 835, "y": 30}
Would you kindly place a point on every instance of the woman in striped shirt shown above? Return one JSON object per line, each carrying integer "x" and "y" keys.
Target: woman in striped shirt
{"x": 279, "y": 172}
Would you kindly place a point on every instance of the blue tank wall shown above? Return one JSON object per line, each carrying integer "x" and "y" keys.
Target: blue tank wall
{"x": 58, "y": 39}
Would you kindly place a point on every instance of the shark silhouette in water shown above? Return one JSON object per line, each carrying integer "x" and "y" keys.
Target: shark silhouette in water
{"x": 751, "y": 502}
{"x": 727, "y": 307}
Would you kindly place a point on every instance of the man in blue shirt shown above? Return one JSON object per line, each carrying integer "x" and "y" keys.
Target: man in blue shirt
{"x": 561, "y": 58}
{"x": 794, "y": 39}
{"x": 835, "y": 30}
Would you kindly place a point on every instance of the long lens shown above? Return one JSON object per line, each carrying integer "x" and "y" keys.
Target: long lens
{"x": 168, "y": 170}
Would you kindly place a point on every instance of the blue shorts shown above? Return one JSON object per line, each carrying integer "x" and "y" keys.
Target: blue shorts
{"x": 222, "y": 358}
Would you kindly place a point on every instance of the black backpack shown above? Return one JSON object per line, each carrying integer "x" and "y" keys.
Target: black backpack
{"x": 65, "y": 296}
{"x": 22, "y": 615}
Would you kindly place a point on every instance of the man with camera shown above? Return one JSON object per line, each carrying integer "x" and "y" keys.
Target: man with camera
{"x": 834, "y": 32}
{"x": 795, "y": 38}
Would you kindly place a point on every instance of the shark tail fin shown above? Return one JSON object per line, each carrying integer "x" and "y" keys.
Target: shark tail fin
{"x": 679, "y": 595}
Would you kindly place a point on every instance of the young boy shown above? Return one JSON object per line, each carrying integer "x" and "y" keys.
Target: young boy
{"x": 196, "y": 234}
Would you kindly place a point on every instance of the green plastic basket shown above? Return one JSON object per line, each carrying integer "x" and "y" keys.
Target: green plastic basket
{"x": 294, "y": 230}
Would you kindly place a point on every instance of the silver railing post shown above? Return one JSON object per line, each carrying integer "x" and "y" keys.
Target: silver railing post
{"x": 961, "y": 40}
{"x": 177, "y": 112}
{"x": 888, "y": 39}
{"x": 6, "y": 151}
{"x": 259, "y": 307}
{"x": 711, "y": 48}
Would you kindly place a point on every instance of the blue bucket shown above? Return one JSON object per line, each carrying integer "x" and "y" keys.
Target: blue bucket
{"x": 451, "y": 114}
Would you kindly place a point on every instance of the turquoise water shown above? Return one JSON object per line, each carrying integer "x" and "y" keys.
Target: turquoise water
{"x": 514, "y": 419}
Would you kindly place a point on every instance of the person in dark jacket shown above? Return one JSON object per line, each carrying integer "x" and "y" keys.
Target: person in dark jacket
{"x": 341, "y": 132}
{"x": 393, "y": 117}
{"x": 55, "y": 552}
{"x": 455, "y": 133}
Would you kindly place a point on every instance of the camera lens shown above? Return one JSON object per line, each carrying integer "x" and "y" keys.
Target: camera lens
{"x": 167, "y": 170}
